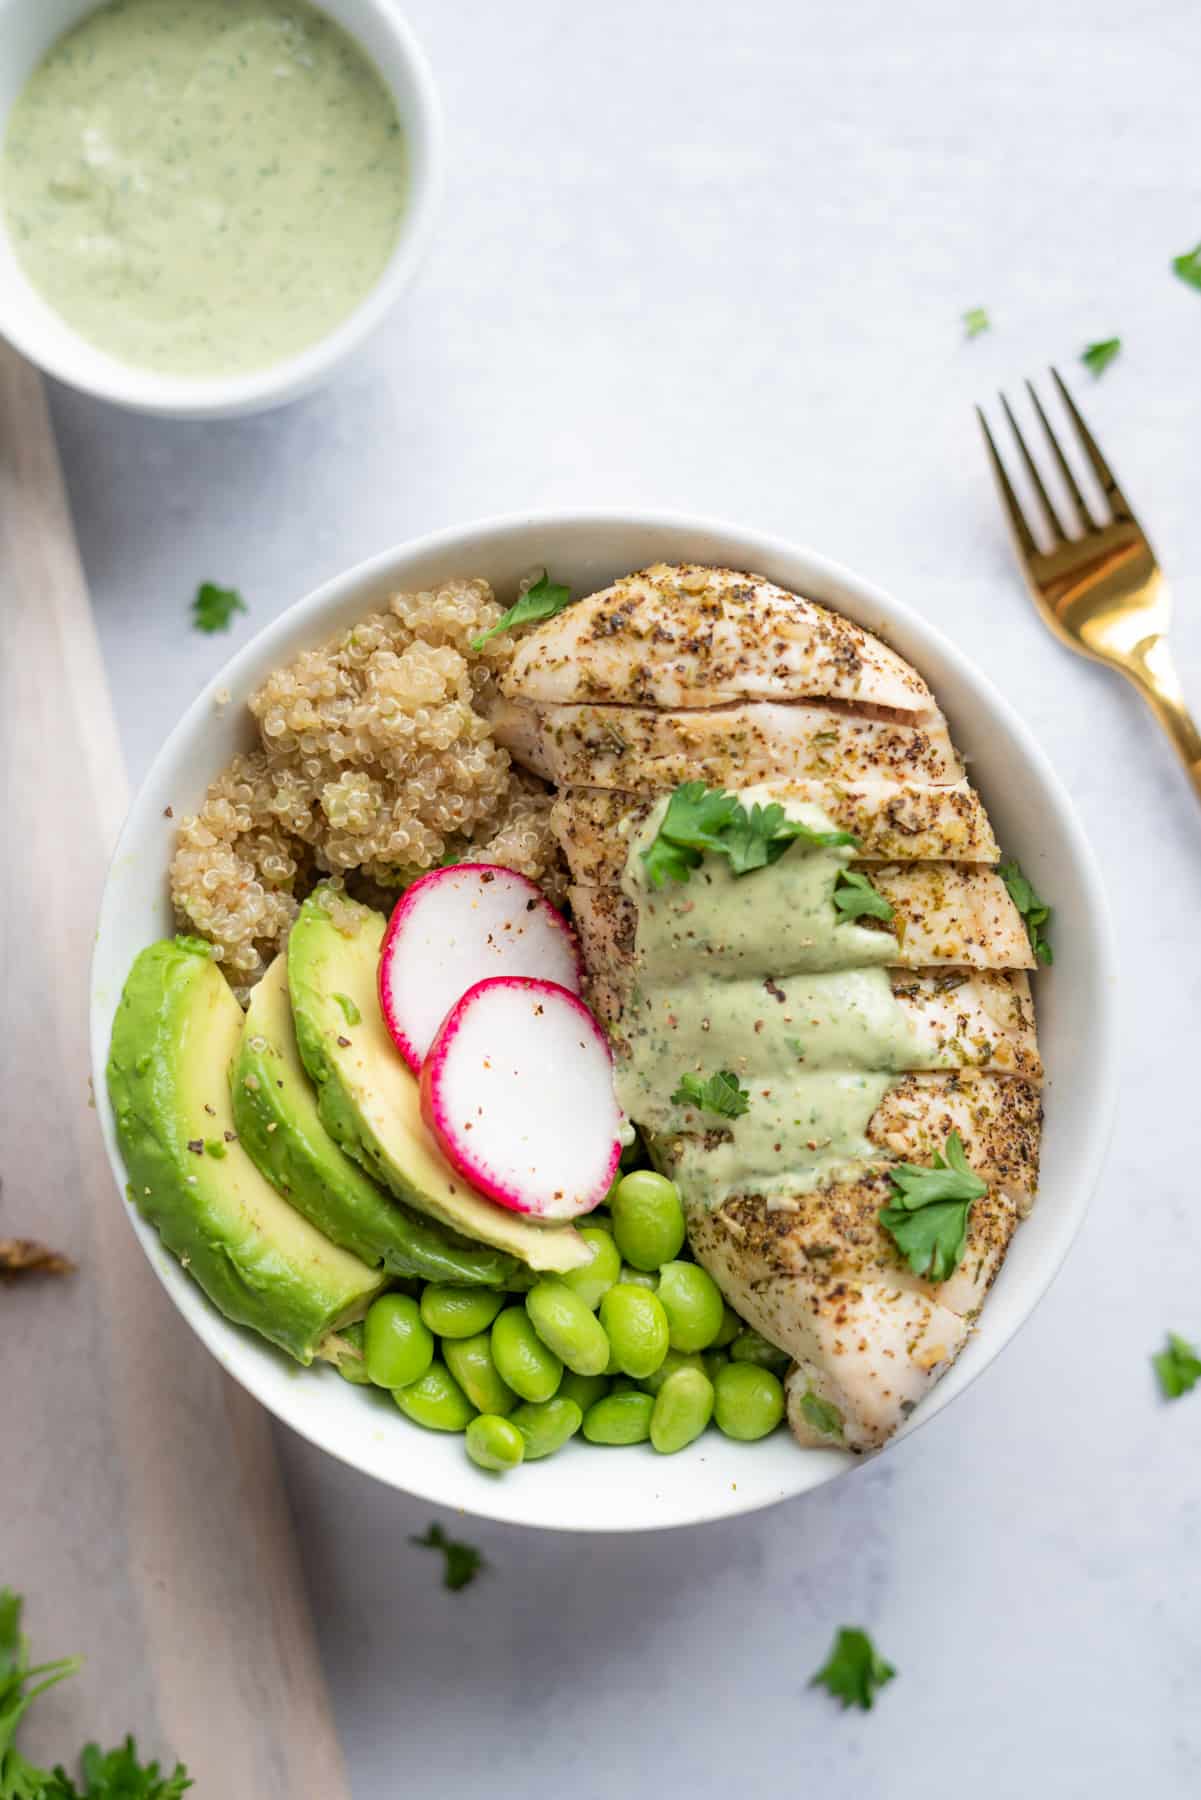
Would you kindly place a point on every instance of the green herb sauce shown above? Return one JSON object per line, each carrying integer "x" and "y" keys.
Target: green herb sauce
{"x": 760, "y": 974}
{"x": 204, "y": 187}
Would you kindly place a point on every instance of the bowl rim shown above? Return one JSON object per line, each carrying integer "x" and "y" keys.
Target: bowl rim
{"x": 84, "y": 366}
{"x": 487, "y": 1499}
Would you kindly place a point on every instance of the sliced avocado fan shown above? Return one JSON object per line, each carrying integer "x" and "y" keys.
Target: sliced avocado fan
{"x": 278, "y": 1124}
{"x": 262, "y": 1264}
{"x": 368, "y": 1097}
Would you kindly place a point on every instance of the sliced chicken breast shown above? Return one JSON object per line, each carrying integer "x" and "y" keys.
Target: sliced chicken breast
{"x": 944, "y": 914}
{"x": 681, "y": 635}
{"x": 893, "y": 822}
{"x": 734, "y": 746}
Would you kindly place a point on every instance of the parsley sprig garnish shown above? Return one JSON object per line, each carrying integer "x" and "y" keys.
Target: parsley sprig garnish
{"x": 1097, "y": 357}
{"x": 856, "y": 898}
{"x": 976, "y": 320}
{"x": 722, "y": 1094}
{"x": 112, "y": 1775}
{"x": 928, "y": 1219}
{"x": 700, "y": 820}
{"x": 463, "y": 1561}
{"x": 1035, "y": 912}
{"x": 214, "y": 607}
{"x": 1178, "y": 1367}
{"x": 855, "y": 1671}
{"x": 541, "y": 601}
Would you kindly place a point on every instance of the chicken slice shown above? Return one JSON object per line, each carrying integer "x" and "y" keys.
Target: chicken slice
{"x": 998, "y": 1118}
{"x": 894, "y": 821}
{"x": 945, "y": 914}
{"x": 732, "y": 746}
{"x": 682, "y": 635}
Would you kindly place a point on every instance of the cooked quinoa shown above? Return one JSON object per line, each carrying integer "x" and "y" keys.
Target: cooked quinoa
{"x": 376, "y": 762}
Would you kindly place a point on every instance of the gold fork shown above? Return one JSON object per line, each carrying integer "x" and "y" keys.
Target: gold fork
{"x": 1103, "y": 592}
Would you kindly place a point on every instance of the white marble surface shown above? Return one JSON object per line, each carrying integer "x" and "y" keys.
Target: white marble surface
{"x": 715, "y": 258}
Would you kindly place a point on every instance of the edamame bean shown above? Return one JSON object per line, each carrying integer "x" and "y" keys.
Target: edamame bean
{"x": 398, "y": 1346}
{"x": 436, "y": 1401}
{"x": 585, "y": 1390}
{"x": 683, "y": 1408}
{"x": 692, "y": 1301}
{"x": 748, "y": 1401}
{"x": 638, "y": 1277}
{"x": 348, "y": 1358}
{"x": 731, "y": 1325}
{"x": 749, "y": 1347}
{"x": 522, "y": 1359}
{"x": 470, "y": 1362}
{"x": 636, "y": 1326}
{"x": 713, "y": 1361}
{"x": 459, "y": 1312}
{"x": 675, "y": 1359}
{"x": 494, "y": 1443}
{"x": 590, "y": 1283}
{"x": 568, "y": 1327}
{"x": 546, "y": 1425}
{"x": 648, "y": 1219}
{"x": 620, "y": 1419}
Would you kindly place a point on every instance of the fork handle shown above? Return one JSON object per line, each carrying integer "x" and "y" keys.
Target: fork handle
{"x": 1153, "y": 673}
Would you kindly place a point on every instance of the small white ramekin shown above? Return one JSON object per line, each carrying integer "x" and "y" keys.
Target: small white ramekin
{"x": 27, "y": 30}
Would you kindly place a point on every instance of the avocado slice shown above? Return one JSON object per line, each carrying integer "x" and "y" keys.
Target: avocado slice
{"x": 367, "y": 1096}
{"x": 262, "y": 1264}
{"x": 275, "y": 1111}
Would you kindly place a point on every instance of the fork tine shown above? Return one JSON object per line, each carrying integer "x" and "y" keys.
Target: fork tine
{"x": 1119, "y": 505}
{"x": 1032, "y": 471}
{"x": 1017, "y": 517}
{"x": 1083, "y": 516}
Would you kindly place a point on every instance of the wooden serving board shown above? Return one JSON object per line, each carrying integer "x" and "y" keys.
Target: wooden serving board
{"x": 141, "y": 1508}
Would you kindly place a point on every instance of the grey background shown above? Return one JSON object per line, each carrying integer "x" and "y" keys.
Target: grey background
{"x": 714, "y": 258}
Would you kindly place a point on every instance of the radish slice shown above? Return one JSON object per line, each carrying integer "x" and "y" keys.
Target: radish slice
{"x": 457, "y": 926}
{"x": 518, "y": 1090}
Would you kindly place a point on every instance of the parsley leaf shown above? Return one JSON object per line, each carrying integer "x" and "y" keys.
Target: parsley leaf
{"x": 350, "y": 1009}
{"x": 929, "y": 1217}
{"x": 214, "y": 607}
{"x": 1188, "y": 266}
{"x": 118, "y": 1775}
{"x": 463, "y": 1561}
{"x": 700, "y": 819}
{"x": 1178, "y": 1367}
{"x": 1097, "y": 357}
{"x": 854, "y": 896}
{"x": 976, "y": 320}
{"x": 819, "y": 1413}
{"x": 722, "y": 1094}
{"x": 1034, "y": 911}
{"x": 855, "y": 1671}
{"x": 541, "y": 601}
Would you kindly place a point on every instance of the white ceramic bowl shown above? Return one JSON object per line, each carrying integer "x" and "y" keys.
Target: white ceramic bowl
{"x": 27, "y": 30}
{"x": 584, "y": 1488}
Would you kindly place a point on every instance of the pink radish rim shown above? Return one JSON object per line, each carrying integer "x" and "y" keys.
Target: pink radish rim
{"x": 403, "y": 907}
{"x": 447, "y": 1032}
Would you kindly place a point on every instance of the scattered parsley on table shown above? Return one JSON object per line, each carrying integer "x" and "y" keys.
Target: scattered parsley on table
{"x": 541, "y": 601}
{"x": 1097, "y": 357}
{"x": 463, "y": 1561}
{"x": 855, "y": 1671}
{"x": 1188, "y": 266}
{"x": 213, "y": 609}
{"x": 1178, "y": 1368}
{"x": 976, "y": 320}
